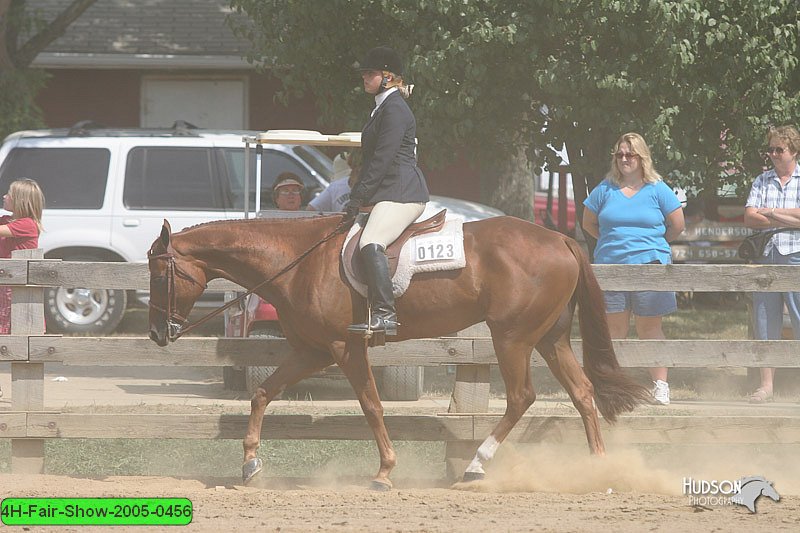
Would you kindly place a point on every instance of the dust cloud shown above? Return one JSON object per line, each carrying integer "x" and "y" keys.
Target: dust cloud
{"x": 654, "y": 470}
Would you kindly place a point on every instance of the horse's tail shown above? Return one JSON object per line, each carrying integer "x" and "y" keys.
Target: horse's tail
{"x": 614, "y": 391}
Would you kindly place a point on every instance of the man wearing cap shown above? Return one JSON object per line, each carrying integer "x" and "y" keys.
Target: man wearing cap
{"x": 287, "y": 194}
{"x": 337, "y": 193}
{"x": 389, "y": 181}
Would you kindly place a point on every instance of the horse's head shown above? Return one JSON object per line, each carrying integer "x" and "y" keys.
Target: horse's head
{"x": 176, "y": 281}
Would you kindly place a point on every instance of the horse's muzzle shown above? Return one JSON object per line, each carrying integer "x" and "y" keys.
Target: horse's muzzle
{"x": 163, "y": 336}
{"x": 159, "y": 337}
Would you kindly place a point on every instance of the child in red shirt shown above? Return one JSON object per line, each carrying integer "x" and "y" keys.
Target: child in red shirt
{"x": 19, "y": 231}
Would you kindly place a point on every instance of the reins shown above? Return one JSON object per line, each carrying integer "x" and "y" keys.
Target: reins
{"x": 176, "y": 330}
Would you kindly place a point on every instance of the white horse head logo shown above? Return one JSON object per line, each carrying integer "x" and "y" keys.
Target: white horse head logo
{"x": 752, "y": 488}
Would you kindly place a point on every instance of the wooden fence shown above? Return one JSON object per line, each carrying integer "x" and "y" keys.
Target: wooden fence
{"x": 27, "y": 424}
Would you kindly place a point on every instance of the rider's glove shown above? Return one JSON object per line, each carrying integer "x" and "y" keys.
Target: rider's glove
{"x": 351, "y": 209}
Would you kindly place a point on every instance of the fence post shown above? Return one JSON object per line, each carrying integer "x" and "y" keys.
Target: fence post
{"x": 27, "y": 379}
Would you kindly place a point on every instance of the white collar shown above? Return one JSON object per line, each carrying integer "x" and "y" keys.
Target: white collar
{"x": 381, "y": 97}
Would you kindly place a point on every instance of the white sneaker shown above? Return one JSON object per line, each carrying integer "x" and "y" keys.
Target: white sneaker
{"x": 661, "y": 392}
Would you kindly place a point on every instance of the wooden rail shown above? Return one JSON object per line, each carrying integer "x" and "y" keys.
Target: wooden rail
{"x": 28, "y": 350}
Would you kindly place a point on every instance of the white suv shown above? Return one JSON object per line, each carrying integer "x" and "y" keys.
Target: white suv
{"x": 107, "y": 192}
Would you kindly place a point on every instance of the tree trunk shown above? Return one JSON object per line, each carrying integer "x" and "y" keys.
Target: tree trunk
{"x": 6, "y": 35}
{"x": 55, "y": 29}
{"x": 508, "y": 185}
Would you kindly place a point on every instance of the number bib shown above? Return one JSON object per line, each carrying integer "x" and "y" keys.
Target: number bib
{"x": 430, "y": 248}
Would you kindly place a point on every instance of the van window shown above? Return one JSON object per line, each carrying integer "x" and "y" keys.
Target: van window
{"x": 273, "y": 163}
{"x": 70, "y": 178}
{"x": 171, "y": 178}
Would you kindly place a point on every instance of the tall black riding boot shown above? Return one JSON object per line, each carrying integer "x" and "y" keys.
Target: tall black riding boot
{"x": 383, "y": 316}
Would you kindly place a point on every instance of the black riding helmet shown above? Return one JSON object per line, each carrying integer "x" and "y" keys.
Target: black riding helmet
{"x": 382, "y": 58}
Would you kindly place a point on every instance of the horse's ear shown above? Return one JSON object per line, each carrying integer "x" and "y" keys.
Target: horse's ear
{"x": 166, "y": 232}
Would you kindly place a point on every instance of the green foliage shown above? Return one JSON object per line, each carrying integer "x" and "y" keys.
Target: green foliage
{"x": 24, "y": 33}
{"x": 18, "y": 110}
{"x": 700, "y": 79}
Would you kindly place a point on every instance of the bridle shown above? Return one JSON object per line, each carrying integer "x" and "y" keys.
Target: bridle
{"x": 176, "y": 323}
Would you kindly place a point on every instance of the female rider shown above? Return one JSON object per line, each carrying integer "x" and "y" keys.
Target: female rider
{"x": 390, "y": 181}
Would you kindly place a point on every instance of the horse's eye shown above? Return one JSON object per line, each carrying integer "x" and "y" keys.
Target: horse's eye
{"x": 159, "y": 280}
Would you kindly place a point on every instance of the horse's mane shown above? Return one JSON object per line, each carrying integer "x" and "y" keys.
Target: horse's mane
{"x": 279, "y": 221}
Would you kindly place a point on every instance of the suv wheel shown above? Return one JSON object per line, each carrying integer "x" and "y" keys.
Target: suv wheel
{"x": 82, "y": 310}
{"x": 255, "y": 375}
{"x": 402, "y": 383}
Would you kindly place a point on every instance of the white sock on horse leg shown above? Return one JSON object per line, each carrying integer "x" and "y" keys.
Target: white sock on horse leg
{"x": 484, "y": 454}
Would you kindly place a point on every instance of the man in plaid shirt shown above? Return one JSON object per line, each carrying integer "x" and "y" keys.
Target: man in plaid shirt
{"x": 774, "y": 202}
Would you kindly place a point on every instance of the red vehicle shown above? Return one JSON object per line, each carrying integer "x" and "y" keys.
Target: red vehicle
{"x": 255, "y": 317}
{"x": 550, "y": 220}
{"x": 548, "y": 216}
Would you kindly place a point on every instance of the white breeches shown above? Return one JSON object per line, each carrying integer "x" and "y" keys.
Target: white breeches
{"x": 387, "y": 221}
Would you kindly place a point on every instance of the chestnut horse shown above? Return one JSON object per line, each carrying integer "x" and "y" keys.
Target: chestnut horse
{"x": 522, "y": 279}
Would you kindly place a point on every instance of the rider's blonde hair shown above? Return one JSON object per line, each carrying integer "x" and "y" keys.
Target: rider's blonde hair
{"x": 27, "y": 200}
{"x": 397, "y": 81}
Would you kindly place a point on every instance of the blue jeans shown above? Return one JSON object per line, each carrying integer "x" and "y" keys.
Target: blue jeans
{"x": 642, "y": 303}
{"x": 768, "y": 306}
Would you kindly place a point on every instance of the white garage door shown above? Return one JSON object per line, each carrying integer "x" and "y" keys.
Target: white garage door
{"x": 206, "y": 103}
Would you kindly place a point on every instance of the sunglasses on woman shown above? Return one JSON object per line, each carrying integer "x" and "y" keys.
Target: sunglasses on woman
{"x": 774, "y": 150}
{"x": 623, "y": 155}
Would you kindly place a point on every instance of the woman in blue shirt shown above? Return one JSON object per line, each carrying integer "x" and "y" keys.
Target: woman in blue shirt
{"x": 634, "y": 215}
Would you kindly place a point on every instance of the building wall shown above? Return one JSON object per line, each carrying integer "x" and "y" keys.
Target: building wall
{"x": 113, "y": 98}
{"x": 109, "y": 97}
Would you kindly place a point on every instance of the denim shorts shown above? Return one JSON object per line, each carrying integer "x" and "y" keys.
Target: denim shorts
{"x": 642, "y": 303}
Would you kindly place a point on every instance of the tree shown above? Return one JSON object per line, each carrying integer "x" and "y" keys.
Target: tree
{"x": 23, "y": 35}
{"x": 505, "y": 80}
{"x": 700, "y": 80}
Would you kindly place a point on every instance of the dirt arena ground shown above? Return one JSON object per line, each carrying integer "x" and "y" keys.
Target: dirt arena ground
{"x": 484, "y": 507}
{"x": 538, "y": 488}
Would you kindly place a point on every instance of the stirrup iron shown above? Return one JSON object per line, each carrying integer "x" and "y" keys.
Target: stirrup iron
{"x": 375, "y": 324}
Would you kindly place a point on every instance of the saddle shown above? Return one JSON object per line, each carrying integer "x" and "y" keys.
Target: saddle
{"x": 430, "y": 225}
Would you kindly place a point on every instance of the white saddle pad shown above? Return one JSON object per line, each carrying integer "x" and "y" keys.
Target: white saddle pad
{"x": 430, "y": 252}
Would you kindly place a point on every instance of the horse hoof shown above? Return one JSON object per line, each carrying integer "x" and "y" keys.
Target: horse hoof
{"x": 380, "y": 486}
{"x": 473, "y": 476}
{"x": 251, "y": 469}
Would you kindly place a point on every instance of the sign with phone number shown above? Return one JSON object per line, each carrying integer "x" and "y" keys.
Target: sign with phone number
{"x": 705, "y": 253}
